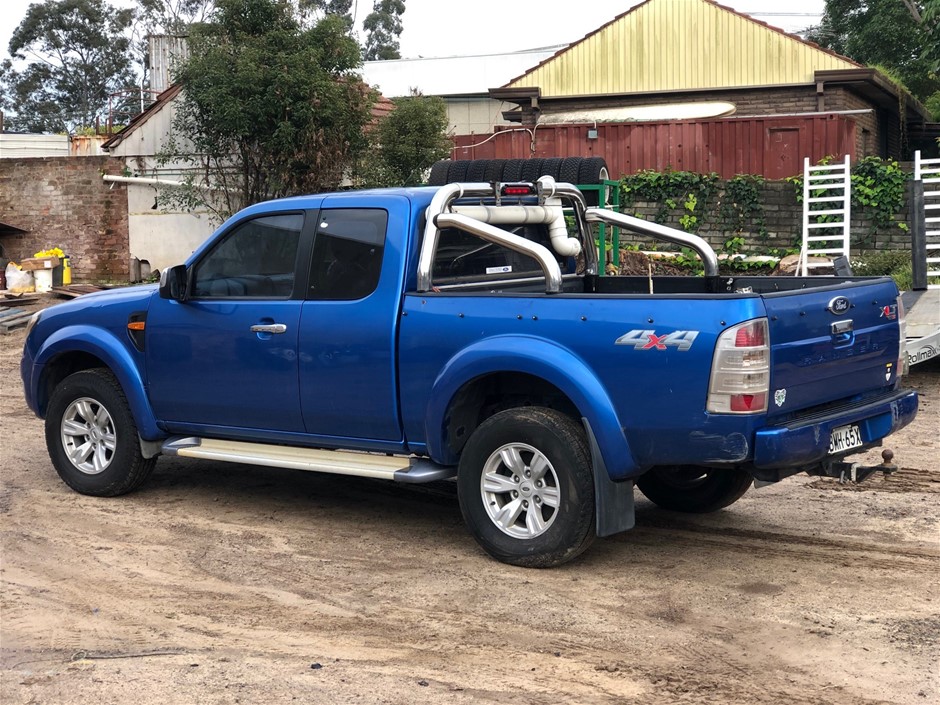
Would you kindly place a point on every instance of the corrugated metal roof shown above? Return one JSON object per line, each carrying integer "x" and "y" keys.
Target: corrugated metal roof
{"x": 450, "y": 75}
{"x": 666, "y": 45}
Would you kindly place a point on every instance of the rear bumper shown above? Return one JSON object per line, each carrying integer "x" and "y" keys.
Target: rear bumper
{"x": 805, "y": 441}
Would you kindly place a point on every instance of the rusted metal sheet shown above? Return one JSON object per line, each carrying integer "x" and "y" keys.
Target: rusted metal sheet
{"x": 86, "y": 145}
{"x": 663, "y": 45}
{"x": 772, "y": 147}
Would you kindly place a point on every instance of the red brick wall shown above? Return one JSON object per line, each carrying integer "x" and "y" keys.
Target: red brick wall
{"x": 63, "y": 202}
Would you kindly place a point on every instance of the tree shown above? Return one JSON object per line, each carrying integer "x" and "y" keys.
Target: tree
{"x": 900, "y": 35}
{"x": 383, "y": 27}
{"x": 338, "y": 8}
{"x": 407, "y": 142}
{"x": 173, "y": 16}
{"x": 77, "y": 54}
{"x": 269, "y": 108}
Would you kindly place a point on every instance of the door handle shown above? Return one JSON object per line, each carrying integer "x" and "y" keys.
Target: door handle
{"x": 269, "y": 328}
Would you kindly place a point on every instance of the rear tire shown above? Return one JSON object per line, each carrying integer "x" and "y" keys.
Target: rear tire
{"x": 526, "y": 487}
{"x": 92, "y": 438}
{"x": 694, "y": 489}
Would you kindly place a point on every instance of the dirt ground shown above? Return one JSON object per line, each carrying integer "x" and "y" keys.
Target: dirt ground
{"x": 222, "y": 583}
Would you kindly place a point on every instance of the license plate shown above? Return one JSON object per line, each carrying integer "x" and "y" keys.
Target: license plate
{"x": 844, "y": 438}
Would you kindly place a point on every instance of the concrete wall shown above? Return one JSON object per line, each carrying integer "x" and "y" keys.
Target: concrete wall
{"x": 63, "y": 202}
{"x": 160, "y": 236}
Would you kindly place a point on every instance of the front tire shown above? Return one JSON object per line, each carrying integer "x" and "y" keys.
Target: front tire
{"x": 526, "y": 487}
{"x": 694, "y": 489}
{"x": 92, "y": 438}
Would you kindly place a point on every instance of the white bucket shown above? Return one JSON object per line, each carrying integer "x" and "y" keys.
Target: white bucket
{"x": 43, "y": 280}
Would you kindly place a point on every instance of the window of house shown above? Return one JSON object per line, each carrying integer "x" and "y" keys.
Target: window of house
{"x": 347, "y": 253}
{"x": 257, "y": 259}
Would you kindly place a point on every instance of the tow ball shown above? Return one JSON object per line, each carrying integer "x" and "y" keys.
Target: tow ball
{"x": 854, "y": 472}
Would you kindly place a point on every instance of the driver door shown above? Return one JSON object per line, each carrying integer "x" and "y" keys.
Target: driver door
{"x": 227, "y": 356}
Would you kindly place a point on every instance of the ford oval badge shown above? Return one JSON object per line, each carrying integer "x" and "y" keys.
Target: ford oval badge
{"x": 839, "y": 305}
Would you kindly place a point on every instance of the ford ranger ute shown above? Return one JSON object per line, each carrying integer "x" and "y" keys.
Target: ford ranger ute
{"x": 466, "y": 331}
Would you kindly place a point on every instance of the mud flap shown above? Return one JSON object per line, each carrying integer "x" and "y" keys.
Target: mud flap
{"x": 613, "y": 501}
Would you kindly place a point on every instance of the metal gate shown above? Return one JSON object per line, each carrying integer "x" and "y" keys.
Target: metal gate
{"x": 925, "y": 226}
{"x": 827, "y": 213}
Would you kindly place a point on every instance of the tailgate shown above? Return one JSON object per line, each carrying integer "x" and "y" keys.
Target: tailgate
{"x": 830, "y": 343}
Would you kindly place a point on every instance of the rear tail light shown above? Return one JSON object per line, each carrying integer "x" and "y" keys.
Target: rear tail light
{"x": 740, "y": 379}
{"x": 903, "y": 364}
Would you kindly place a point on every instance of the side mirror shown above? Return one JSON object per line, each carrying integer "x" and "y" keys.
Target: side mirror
{"x": 174, "y": 283}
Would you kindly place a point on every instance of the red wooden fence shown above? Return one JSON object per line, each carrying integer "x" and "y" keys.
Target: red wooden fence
{"x": 772, "y": 147}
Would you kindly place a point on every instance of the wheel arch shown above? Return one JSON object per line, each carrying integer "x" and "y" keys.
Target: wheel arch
{"x": 464, "y": 391}
{"x": 75, "y": 348}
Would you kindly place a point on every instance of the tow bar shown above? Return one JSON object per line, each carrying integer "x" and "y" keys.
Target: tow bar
{"x": 853, "y": 472}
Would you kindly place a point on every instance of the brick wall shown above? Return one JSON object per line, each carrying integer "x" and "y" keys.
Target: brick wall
{"x": 783, "y": 221}
{"x": 63, "y": 202}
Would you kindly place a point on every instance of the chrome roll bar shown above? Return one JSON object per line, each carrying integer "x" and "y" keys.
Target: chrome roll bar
{"x": 661, "y": 232}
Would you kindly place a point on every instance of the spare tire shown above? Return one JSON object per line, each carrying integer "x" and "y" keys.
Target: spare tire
{"x": 512, "y": 171}
{"x": 551, "y": 167}
{"x": 532, "y": 169}
{"x": 593, "y": 171}
{"x": 476, "y": 172}
{"x": 438, "y": 175}
{"x": 494, "y": 170}
{"x": 570, "y": 170}
{"x": 458, "y": 170}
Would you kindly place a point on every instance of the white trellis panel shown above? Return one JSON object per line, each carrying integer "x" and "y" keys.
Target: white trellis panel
{"x": 928, "y": 172}
{"x": 827, "y": 213}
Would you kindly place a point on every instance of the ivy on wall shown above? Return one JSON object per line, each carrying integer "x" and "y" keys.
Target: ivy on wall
{"x": 735, "y": 207}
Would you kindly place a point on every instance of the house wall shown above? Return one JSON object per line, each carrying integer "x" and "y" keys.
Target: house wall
{"x": 873, "y": 126}
{"x": 63, "y": 202}
{"x": 474, "y": 114}
{"x": 771, "y": 147}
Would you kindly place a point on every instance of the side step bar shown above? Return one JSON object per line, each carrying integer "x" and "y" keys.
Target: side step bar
{"x": 399, "y": 468}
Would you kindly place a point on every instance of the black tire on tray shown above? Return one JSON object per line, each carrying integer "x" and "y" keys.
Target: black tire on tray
{"x": 438, "y": 176}
{"x": 570, "y": 170}
{"x": 512, "y": 171}
{"x": 494, "y": 170}
{"x": 551, "y": 166}
{"x": 593, "y": 171}
{"x": 458, "y": 171}
{"x": 532, "y": 169}
{"x": 476, "y": 172}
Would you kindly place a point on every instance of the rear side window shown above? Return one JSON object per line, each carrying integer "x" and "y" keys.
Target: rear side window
{"x": 347, "y": 253}
{"x": 257, "y": 259}
{"x": 461, "y": 256}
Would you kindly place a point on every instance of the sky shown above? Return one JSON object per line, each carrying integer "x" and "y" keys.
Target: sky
{"x": 450, "y": 28}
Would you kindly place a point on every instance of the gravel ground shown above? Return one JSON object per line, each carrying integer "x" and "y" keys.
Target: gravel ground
{"x": 222, "y": 583}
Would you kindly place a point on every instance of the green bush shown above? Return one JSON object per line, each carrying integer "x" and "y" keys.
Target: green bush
{"x": 894, "y": 263}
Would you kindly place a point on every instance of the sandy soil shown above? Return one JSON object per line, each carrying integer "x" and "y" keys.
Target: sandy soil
{"x": 232, "y": 584}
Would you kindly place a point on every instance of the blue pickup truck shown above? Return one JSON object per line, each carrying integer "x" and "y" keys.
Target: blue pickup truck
{"x": 466, "y": 331}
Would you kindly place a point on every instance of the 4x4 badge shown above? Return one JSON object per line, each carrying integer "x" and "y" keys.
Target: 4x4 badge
{"x": 780, "y": 396}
